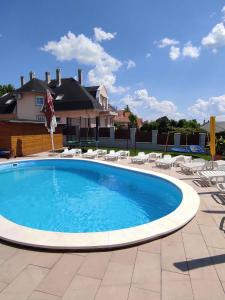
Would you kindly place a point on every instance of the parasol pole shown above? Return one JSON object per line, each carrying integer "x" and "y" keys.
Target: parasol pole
{"x": 212, "y": 137}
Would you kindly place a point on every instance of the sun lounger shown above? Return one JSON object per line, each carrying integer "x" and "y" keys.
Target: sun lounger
{"x": 195, "y": 165}
{"x": 101, "y": 152}
{"x": 153, "y": 156}
{"x": 221, "y": 187}
{"x": 112, "y": 155}
{"x": 140, "y": 158}
{"x": 168, "y": 161}
{"x": 211, "y": 176}
{"x": 68, "y": 153}
{"x": 90, "y": 154}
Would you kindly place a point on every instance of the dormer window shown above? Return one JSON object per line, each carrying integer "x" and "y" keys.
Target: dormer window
{"x": 39, "y": 101}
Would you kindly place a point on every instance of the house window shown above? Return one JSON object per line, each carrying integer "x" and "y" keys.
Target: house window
{"x": 58, "y": 119}
{"x": 40, "y": 118}
{"x": 39, "y": 100}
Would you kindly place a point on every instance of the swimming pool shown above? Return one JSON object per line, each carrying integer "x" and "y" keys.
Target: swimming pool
{"x": 76, "y": 197}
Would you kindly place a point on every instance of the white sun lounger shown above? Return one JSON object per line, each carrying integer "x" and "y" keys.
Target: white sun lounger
{"x": 90, "y": 154}
{"x": 195, "y": 165}
{"x": 112, "y": 155}
{"x": 221, "y": 187}
{"x": 211, "y": 176}
{"x": 101, "y": 152}
{"x": 168, "y": 161}
{"x": 141, "y": 158}
{"x": 153, "y": 156}
{"x": 68, "y": 153}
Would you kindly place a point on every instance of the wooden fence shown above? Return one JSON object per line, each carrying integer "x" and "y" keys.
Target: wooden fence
{"x": 28, "y": 138}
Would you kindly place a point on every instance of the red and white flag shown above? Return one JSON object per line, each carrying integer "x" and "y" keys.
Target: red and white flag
{"x": 48, "y": 110}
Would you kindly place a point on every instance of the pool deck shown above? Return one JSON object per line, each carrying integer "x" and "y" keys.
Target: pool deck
{"x": 188, "y": 264}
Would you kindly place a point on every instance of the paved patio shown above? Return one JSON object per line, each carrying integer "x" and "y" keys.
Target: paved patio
{"x": 189, "y": 264}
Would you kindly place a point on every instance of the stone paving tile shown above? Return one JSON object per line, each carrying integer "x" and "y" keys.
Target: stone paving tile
{"x": 141, "y": 294}
{"x": 223, "y": 284}
{"x": 82, "y": 288}
{"x": 24, "y": 284}
{"x": 172, "y": 250}
{"x": 176, "y": 286}
{"x": 191, "y": 227}
{"x": 213, "y": 237}
{"x": 124, "y": 256}
{"x": 195, "y": 246}
{"x": 117, "y": 274}
{"x": 147, "y": 271}
{"x": 15, "y": 264}
{"x": 218, "y": 258}
{"x": 95, "y": 264}
{"x": 6, "y": 252}
{"x": 113, "y": 292}
{"x": 2, "y": 286}
{"x": 204, "y": 280}
{"x": 42, "y": 296}
{"x": 47, "y": 259}
{"x": 60, "y": 276}
{"x": 152, "y": 247}
{"x": 205, "y": 219}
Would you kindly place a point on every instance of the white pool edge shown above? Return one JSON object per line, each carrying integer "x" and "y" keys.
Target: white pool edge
{"x": 27, "y": 236}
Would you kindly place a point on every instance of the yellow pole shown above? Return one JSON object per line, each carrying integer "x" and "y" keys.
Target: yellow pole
{"x": 212, "y": 137}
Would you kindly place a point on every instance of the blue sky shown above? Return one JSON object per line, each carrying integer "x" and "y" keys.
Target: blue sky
{"x": 160, "y": 57}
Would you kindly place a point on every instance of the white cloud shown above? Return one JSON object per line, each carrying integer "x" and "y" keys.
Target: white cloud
{"x": 148, "y": 55}
{"x": 174, "y": 53}
{"x": 149, "y": 107}
{"x": 167, "y": 42}
{"x": 130, "y": 64}
{"x": 88, "y": 52}
{"x": 101, "y": 35}
{"x": 216, "y": 37}
{"x": 204, "y": 108}
{"x": 191, "y": 51}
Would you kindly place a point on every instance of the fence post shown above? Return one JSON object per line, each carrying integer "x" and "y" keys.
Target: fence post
{"x": 132, "y": 137}
{"x": 202, "y": 136}
{"x": 112, "y": 135}
{"x": 177, "y": 139}
{"x": 154, "y": 136}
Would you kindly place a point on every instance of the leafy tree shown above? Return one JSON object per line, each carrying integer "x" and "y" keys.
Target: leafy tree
{"x": 133, "y": 120}
{"x": 6, "y": 88}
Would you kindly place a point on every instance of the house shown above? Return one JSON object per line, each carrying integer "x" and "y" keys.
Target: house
{"x": 122, "y": 119}
{"x": 75, "y": 104}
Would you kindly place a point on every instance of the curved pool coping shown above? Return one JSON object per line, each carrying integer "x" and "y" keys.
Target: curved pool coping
{"x": 27, "y": 236}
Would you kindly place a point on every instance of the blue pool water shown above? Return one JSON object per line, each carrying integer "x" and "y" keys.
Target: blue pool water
{"x": 81, "y": 196}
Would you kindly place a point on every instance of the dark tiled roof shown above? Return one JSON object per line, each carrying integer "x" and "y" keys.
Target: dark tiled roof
{"x": 34, "y": 85}
{"x": 7, "y": 108}
{"x": 74, "y": 96}
{"x": 92, "y": 90}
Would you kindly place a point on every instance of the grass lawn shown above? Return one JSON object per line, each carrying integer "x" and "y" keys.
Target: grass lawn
{"x": 134, "y": 152}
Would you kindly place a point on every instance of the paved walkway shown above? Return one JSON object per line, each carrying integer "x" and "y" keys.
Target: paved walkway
{"x": 189, "y": 264}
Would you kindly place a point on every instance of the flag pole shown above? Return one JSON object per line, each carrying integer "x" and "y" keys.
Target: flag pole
{"x": 52, "y": 140}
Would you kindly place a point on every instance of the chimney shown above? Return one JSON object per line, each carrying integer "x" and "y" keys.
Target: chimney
{"x": 58, "y": 77}
{"x": 22, "y": 81}
{"x": 47, "y": 77}
{"x": 80, "y": 79}
{"x": 32, "y": 75}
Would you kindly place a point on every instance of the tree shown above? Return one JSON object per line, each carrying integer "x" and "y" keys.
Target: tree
{"x": 6, "y": 88}
{"x": 133, "y": 120}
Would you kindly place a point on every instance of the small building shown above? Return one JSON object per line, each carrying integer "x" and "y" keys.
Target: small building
{"x": 122, "y": 119}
